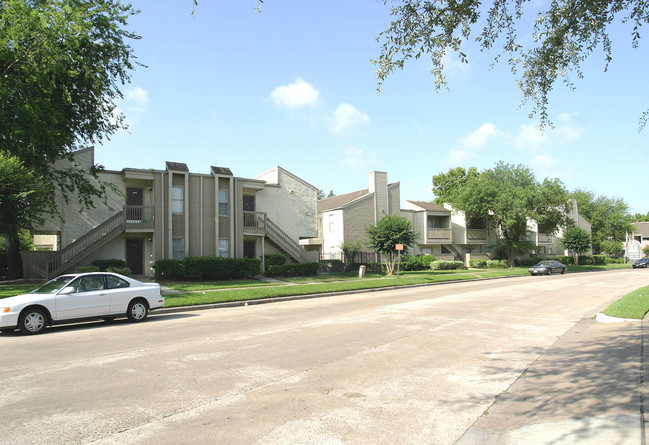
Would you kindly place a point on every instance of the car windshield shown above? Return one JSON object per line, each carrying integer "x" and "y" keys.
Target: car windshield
{"x": 544, "y": 263}
{"x": 54, "y": 285}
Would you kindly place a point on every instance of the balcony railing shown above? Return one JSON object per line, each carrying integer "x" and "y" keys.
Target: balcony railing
{"x": 476, "y": 235}
{"x": 254, "y": 222}
{"x": 545, "y": 238}
{"x": 139, "y": 217}
{"x": 439, "y": 235}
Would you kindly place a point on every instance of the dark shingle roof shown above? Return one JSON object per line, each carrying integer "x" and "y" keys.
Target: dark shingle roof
{"x": 177, "y": 166}
{"x": 221, "y": 171}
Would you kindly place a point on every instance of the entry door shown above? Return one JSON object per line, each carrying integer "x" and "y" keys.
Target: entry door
{"x": 135, "y": 255}
{"x": 134, "y": 203}
{"x": 248, "y": 249}
{"x": 248, "y": 203}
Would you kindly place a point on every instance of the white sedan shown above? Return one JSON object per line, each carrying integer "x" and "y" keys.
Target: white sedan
{"x": 74, "y": 296}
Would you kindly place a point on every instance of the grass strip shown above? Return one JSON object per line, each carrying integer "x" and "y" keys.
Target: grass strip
{"x": 633, "y": 305}
{"x": 11, "y": 290}
{"x": 189, "y": 286}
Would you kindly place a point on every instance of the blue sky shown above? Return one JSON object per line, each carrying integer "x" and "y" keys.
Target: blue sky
{"x": 293, "y": 86}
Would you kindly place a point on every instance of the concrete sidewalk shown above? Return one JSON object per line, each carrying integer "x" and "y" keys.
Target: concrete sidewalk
{"x": 587, "y": 388}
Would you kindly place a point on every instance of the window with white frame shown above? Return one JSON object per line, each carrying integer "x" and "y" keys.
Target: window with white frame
{"x": 332, "y": 223}
{"x": 177, "y": 248}
{"x": 224, "y": 251}
{"x": 177, "y": 200}
{"x": 223, "y": 202}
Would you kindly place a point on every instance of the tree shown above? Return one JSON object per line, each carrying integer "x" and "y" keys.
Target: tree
{"x": 510, "y": 196}
{"x": 576, "y": 241}
{"x": 22, "y": 197}
{"x": 612, "y": 248}
{"x": 386, "y": 234}
{"x": 350, "y": 250}
{"x": 564, "y": 34}
{"x": 322, "y": 195}
{"x": 609, "y": 217}
{"x": 61, "y": 65}
{"x": 445, "y": 184}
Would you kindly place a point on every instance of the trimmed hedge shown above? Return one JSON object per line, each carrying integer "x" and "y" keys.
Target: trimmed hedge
{"x": 120, "y": 270}
{"x": 446, "y": 265}
{"x": 477, "y": 263}
{"x": 274, "y": 259}
{"x": 206, "y": 268}
{"x": 497, "y": 264}
{"x": 292, "y": 270}
{"x": 104, "y": 265}
{"x": 85, "y": 269}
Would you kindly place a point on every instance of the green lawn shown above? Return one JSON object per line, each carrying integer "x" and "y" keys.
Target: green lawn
{"x": 9, "y": 290}
{"x": 634, "y": 305}
{"x": 189, "y": 286}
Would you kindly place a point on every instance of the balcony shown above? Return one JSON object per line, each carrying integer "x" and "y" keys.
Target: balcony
{"x": 545, "y": 238}
{"x": 139, "y": 218}
{"x": 439, "y": 236}
{"x": 476, "y": 236}
{"x": 254, "y": 223}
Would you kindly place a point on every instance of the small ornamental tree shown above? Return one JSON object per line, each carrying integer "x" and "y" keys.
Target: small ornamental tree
{"x": 612, "y": 248}
{"x": 386, "y": 234}
{"x": 576, "y": 241}
{"x": 350, "y": 250}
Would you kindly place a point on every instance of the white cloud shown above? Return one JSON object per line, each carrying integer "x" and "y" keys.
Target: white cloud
{"x": 481, "y": 137}
{"x": 347, "y": 116}
{"x": 531, "y": 137}
{"x": 459, "y": 157}
{"x": 295, "y": 95}
{"x": 545, "y": 166}
{"x": 136, "y": 99}
{"x": 454, "y": 66}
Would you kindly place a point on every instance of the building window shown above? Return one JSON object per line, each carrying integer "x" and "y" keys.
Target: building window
{"x": 426, "y": 251}
{"x": 224, "y": 251}
{"x": 332, "y": 226}
{"x": 223, "y": 202}
{"x": 177, "y": 200}
{"x": 466, "y": 250}
{"x": 177, "y": 249}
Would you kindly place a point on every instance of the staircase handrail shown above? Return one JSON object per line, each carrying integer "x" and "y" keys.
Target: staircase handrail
{"x": 73, "y": 250}
{"x": 285, "y": 241}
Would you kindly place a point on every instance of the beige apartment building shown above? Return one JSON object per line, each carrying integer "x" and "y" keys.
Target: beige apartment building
{"x": 174, "y": 213}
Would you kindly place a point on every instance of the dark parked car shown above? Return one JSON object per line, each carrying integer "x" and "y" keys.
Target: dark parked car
{"x": 642, "y": 262}
{"x": 547, "y": 267}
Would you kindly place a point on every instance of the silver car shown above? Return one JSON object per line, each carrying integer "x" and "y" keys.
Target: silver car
{"x": 547, "y": 267}
{"x": 79, "y": 296}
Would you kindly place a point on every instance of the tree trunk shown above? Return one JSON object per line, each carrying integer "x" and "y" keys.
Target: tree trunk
{"x": 510, "y": 256}
{"x": 14, "y": 259}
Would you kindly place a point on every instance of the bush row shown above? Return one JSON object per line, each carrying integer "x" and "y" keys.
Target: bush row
{"x": 103, "y": 265}
{"x": 206, "y": 268}
{"x": 447, "y": 265}
{"x": 120, "y": 270}
{"x": 292, "y": 270}
{"x": 422, "y": 262}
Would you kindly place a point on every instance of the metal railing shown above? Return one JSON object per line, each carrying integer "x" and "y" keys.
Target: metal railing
{"x": 87, "y": 244}
{"x": 139, "y": 217}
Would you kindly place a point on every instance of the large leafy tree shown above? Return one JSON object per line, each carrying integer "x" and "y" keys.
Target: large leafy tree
{"x": 609, "y": 217}
{"x": 542, "y": 41}
{"x": 445, "y": 184}
{"x": 22, "y": 198}
{"x": 510, "y": 196}
{"x": 62, "y": 63}
{"x": 386, "y": 234}
{"x": 577, "y": 241}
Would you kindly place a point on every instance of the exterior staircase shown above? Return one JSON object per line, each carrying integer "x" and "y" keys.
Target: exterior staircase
{"x": 455, "y": 252}
{"x": 88, "y": 243}
{"x": 285, "y": 243}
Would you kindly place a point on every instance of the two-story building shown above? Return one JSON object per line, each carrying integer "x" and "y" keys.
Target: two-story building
{"x": 174, "y": 213}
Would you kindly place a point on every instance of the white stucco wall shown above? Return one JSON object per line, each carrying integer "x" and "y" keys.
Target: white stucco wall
{"x": 332, "y": 238}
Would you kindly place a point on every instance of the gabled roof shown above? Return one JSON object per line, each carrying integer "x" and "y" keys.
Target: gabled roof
{"x": 429, "y": 205}
{"x": 336, "y": 202}
{"x": 642, "y": 227}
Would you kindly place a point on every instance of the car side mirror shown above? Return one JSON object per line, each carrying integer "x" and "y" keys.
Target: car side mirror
{"x": 67, "y": 290}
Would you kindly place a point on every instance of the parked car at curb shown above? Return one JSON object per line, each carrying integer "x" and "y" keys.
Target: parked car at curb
{"x": 548, "y": 267}
{"x": 642, "y": 262}
{"x": 79, "y": 296}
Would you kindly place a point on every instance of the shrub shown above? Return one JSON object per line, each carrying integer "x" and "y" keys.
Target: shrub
{"x": 614, "y": 261}
{"x": 426, "y": 260}
{"x": 274, "y": 259}
{"x": 599, "y": 259}
{"x": 531, "y": 261}
{"x": 410, "y": 262}
{"x": 169, "y": 270}
{"x": 478, "y": 263}
{"x": 290, "y": 270}
{"x": 120, "y": 270}
{"x": 567, "y": 260}
{"x": 446, "y": 265}
{"x": 84, "y": 269}
{"x": 497, "y": 264}
{"x": 103, "y": 265}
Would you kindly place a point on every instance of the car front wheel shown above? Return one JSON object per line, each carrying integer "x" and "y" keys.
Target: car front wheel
{"x": 32, "y": 321}
{"x": 137, "y": 310}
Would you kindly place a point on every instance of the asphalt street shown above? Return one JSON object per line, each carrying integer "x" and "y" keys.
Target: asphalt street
{"x": 413, "y": 366}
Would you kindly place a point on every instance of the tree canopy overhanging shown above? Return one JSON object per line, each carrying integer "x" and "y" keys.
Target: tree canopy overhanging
{"x": 552, "y": 46}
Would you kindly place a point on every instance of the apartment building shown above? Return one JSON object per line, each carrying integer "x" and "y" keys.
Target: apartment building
{"x": 345, "y": 217}
{"x": 174, "y": 213}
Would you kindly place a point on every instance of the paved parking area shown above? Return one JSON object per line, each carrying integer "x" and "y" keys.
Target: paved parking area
{"x": 411, "y": 366}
